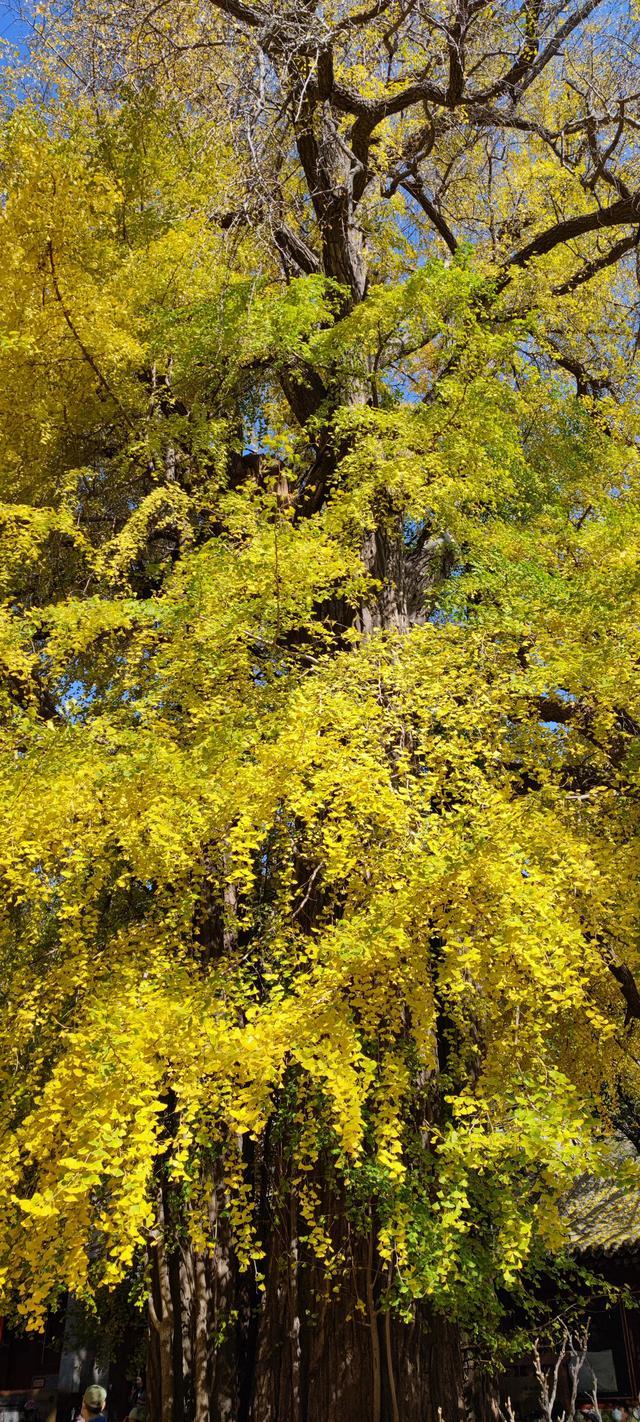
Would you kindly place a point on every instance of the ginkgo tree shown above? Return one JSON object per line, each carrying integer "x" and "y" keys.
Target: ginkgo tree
{"x": 319, "y": 679}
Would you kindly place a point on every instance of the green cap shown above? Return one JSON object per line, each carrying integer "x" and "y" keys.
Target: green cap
{"x": 95, "y": 1398}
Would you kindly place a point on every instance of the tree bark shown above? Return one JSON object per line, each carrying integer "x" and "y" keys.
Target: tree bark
{"x": 201, "y": 1409}
{"x": 308, "y": 1347}
{"x": 161, "y": 1319}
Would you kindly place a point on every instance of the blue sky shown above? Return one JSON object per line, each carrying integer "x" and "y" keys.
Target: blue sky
{"x": 12, "y": 28}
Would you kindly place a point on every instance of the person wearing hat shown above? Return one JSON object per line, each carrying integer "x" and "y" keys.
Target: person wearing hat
{"x": 93, "y": 1404}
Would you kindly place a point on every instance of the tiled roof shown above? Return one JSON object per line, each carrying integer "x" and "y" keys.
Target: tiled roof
{"x": 603, "y": 1214}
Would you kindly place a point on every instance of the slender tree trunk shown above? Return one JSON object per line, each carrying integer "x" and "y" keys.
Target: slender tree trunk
{"x": 181, "y": 1289}
{"x": 294, "y": 1311}
{"x": 394, "y": 1410}
{"x": 223, "y": 1339}
{"x": 201, "y": 1342}
{"x": 376, "y": 1376}
{"x": 167, "y": 1361}
{"x": 161, "y": 1319}
{"x": 153, "y": 1370}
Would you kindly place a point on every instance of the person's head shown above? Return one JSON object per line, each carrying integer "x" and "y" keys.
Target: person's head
{"x": 93, "y": 1402}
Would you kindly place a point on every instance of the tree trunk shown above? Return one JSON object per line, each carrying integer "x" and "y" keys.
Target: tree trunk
{"x": 374, "y": 1337}
{"x": 201, "y": 1342}
{"x": 161, "y": 1365}
{"x": 308, "y": 1348}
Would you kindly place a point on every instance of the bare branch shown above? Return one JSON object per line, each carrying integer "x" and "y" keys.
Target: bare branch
{"x": 576, "y": 1356}
{"x": 548, "y": 1380}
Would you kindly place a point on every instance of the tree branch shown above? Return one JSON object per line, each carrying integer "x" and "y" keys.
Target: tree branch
{"x": 624, "y": 212}
{"x": 103, "y": 383}
{"x": 295, "y": 250}
{"x": 415, "y": 187}
{"x": 626, "y": 982}
{"x": 564, "y": 712}
{"x": 522, "y": 74}
{"x": 456, "y": 46}
{"x": 362, "y": 17}
{"x": 599, "y": 264}
{"x": 239, "y": 11}
{"x": 350, "y": 101}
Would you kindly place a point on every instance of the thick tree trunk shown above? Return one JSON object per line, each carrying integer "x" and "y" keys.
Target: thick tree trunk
{"x": 308, "y": 1348}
